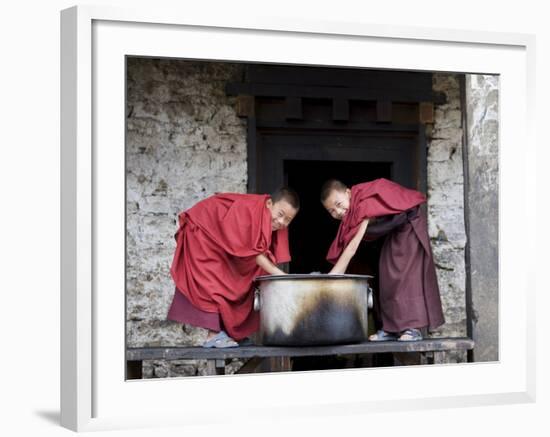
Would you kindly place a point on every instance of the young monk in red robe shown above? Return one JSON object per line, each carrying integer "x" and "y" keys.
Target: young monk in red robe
{"x": 223, "y": 243}
{"x": 409, "y": 297}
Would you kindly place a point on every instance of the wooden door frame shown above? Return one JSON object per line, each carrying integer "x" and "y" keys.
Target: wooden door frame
{"x": 263, "y": 178}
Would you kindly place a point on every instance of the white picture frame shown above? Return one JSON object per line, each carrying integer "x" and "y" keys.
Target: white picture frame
{"x": 94, "y": 41}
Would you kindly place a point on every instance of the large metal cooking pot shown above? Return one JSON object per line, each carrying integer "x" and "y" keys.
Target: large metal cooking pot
{"x": 314, "y": 309}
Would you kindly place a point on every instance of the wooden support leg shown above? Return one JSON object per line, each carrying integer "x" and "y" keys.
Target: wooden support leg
{"x": 287, "y": 364}
{"x": 220, "y": 367}
{"x": 134, "y": 369}
{"x": 280, "y": 364}
{"x": 215, "y": 367}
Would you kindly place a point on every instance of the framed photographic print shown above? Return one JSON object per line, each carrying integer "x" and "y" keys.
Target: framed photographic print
{"x": 162, "y": 112}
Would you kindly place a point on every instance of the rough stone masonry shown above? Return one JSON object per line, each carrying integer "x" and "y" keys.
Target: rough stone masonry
{"x": 185, "y": 142}
{"x": 446, "y": 204}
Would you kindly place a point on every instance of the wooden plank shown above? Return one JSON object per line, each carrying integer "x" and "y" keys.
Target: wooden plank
{"x": 422, "y": 160}
{"x": 328, "y": 92}
{"x": 173, "y": 353}
{"x": 331, "y": 125}
{"x": 383, "y": 111}
{"x": 245, "y": 106}
{"x": 339, "y": 77}
{"x": 252, "y": 150}
{"x": 426, "y": 112}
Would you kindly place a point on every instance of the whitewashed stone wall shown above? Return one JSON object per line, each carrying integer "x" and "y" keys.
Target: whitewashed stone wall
{"x": 482, "y": 201}
{"x": 446, "y": 205}
{"x": 185, "y": 142}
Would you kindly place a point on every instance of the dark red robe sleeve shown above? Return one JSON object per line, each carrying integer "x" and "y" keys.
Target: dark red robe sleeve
{"x": 279, "y": 246}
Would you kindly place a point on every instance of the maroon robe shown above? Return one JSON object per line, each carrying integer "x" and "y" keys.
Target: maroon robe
{"x": 409, "y": 293}
{"x": 214, "y": 263}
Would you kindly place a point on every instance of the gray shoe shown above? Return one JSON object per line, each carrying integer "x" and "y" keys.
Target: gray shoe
{"x": 413, "y": 334}
{"x": 220, "y": 340}
{"x": 382, "y": 335}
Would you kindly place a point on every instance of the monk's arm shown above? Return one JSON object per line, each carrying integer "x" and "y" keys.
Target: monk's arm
{"x": 264, "y": 262}
{"x": 342, "y": 263}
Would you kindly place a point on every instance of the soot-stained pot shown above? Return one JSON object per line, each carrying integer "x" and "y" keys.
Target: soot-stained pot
{"x": 314, "y": 309}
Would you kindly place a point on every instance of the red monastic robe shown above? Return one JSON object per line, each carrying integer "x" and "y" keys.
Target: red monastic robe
{"x": 214, "y": 263}
{"x": 409, "y": 293}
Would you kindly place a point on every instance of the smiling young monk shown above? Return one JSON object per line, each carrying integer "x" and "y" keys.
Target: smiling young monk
{"x": 223, "y": 243}
{"x": 409, "y": 297}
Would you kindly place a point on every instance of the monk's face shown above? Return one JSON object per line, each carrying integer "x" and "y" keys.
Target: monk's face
{"x": 282, "y": 213}
{"x": 337, "y": 203}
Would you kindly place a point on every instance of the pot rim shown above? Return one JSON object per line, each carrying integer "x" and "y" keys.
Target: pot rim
{"x": 325, "y": 276}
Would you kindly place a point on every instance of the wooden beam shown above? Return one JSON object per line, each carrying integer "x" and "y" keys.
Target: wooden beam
{"x": 426, "y": 112}
{"x": 245, "y": 106}
{"x": 253, "y": 155}
{"x": 175, "y": 353}
{"x": 335, "y": 76}
{"x": 421, "y": 168}
{"x": 328, "y": 92}
{"x": 338, "y": 127}
{"x": 384, "y": 111}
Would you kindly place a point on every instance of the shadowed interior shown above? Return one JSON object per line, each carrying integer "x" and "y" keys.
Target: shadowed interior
{"x": 313, "y": 229}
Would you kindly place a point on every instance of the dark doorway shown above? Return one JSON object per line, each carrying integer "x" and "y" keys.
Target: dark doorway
{"x": 307, "y": 125}
{"x": 313, "y": 230}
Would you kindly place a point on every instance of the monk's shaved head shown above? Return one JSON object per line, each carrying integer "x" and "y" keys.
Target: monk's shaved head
{"x": 287, "y": 194}
{"x": 330, "y": 186}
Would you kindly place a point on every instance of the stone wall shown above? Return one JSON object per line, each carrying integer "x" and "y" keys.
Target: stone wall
{"x": 482, "y": 201}
{"x": 184, "y": 142}
{"x": 446, "y": 225}
{"x": 446, "y": 204}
